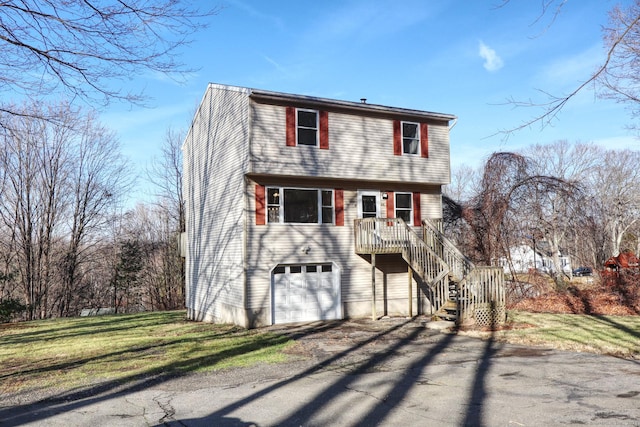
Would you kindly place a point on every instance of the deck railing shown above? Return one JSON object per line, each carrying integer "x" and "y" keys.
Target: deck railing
{"x": 393, "y": 235}
{"x": 482, "y": 296}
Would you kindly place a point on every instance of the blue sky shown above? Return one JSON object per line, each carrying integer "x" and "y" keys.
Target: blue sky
{"x": 461, "y": 57}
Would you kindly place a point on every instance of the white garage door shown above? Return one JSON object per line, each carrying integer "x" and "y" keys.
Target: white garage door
{"x": 305, "y": 292}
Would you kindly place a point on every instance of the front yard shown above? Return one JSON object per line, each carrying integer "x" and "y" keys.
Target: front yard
{"x": 65, "y": 354}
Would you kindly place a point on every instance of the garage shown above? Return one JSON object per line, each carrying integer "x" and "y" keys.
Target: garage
{"x": 305, "y": 292}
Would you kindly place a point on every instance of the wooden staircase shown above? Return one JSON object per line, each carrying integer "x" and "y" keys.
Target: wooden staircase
{"x": 450, "y": 310}
{"x": 457, "y": 285}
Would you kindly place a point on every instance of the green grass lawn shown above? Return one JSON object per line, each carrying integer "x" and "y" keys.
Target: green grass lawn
{"x": 613, "y": 335}
{"x": 74, "y": 352}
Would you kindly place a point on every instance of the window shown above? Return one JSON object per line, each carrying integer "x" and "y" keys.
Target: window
{"x": 410, "y": 138}
{"x": 300, "y": 206}
{"x": 307, "y": 127}
{"x": 273, "y": 204}
{"x": 327, "y": 206}
{"x": 404, "y": 206}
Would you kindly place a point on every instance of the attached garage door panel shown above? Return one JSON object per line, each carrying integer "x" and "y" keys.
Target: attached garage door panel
{"x": 304, "y": 293}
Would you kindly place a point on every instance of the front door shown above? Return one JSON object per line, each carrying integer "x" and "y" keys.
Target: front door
{"x": 368, "y": 204}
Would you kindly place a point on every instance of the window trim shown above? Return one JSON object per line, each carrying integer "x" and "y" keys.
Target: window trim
{"x": 395, "y": 207}
{"x": 317, "y": 128}
{"x": 417, "y": 138}
{"x": 281, "y": 205}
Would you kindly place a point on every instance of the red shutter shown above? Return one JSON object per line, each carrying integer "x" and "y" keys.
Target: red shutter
{"x": 397, "y": 138}
{"x": 424, "y": 140}
{"x": 338, "y": 194}
{"x": 391, "y": 210}
{"x": 417, "y": 217}
{"x": 260, "y": 205}
{"x": 324, "y": 130}
{"x": 291, "y": 127}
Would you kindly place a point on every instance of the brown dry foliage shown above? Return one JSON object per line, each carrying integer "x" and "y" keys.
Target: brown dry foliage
{"x": 616, "y": 295}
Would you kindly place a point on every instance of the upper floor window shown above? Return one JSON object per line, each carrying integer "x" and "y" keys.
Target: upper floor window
{"x": 410, "y": 138}
{"x": 307, "y": 127}
{"x": 303, "y": 206}
{"x": 404, "y": 206}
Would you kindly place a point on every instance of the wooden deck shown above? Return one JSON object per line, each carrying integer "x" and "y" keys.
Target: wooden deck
{"x": 479, "y": 291}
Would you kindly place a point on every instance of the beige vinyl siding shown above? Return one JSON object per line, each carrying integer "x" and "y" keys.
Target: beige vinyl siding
{"x": 431, "y": 206}
{"x": 273, "y": 244}
{"x": 359, "y": 148}
{"x": 215, "y": 156}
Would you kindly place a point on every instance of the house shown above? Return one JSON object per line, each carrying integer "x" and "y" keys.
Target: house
{"x": 523, "y": 259}
{"x": 277, "y": 189}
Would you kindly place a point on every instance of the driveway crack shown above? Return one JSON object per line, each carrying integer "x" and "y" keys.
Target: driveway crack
{"x": 164, "y": 403}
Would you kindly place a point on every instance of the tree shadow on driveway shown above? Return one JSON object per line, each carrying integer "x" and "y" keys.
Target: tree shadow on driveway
{"x": 376, "y": 346}
{"x": 391, "y": 395}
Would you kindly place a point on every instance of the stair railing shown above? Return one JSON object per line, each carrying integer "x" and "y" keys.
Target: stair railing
{"x": 459, "y": 264}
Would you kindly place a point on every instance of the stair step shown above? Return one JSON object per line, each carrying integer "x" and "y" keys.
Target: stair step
{"x": 448, "y": 311}
{"x": 447, "y": 316}
{"x": 450, "y": 304}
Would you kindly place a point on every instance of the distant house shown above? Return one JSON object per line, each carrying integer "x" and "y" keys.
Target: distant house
{"x": 301, "y": 208}
{"x": 523, "y": 259}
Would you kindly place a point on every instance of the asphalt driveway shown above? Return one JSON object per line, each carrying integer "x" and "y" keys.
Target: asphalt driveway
{"x": 393, "y": 372}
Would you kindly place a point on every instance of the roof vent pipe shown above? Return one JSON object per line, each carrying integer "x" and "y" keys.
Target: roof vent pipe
{"x": 363, "y": 100}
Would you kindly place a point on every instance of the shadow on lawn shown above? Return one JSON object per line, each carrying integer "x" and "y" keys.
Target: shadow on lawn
{"x": 75, "y": 399}
{"x": 306, "y": 411}
{"x": 76, "y": 327}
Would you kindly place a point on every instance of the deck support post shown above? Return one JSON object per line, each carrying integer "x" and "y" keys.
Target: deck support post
{"x": 410, "y": 293}
{"x": 373, "y": 287}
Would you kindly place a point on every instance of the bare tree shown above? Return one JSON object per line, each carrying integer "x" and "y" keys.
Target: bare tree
{"x": 616, "y": 203}
{"x": 620, "y": 76}
{"x": 463, "y": 186}
{"x": 616, "y": 77}
{"x": 558, "y": 211}
{"x": 165, "y": 173}
{"x": 59, "y": 176}
{"x": 515, "y": 202}
{"x": 79, "y": 47}
{"x": 161, "y": 277}
{"x": 99, "y": 178}
{"x": 487, "y": 213}
{"x": 33, "y": 163}
{"x": 166, "y": 271}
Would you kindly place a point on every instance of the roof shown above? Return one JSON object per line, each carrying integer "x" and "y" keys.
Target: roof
{"x": 312, "y": 101}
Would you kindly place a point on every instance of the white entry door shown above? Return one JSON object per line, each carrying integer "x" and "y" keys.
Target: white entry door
{"x": 305, "y": 292}
{"x": 368, "y": 204}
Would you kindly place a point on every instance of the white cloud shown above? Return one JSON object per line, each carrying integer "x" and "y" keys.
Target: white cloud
{"x": 492, "y": 62}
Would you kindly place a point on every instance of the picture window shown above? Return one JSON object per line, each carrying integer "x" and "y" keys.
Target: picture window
{"x": 300, "y": 206}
